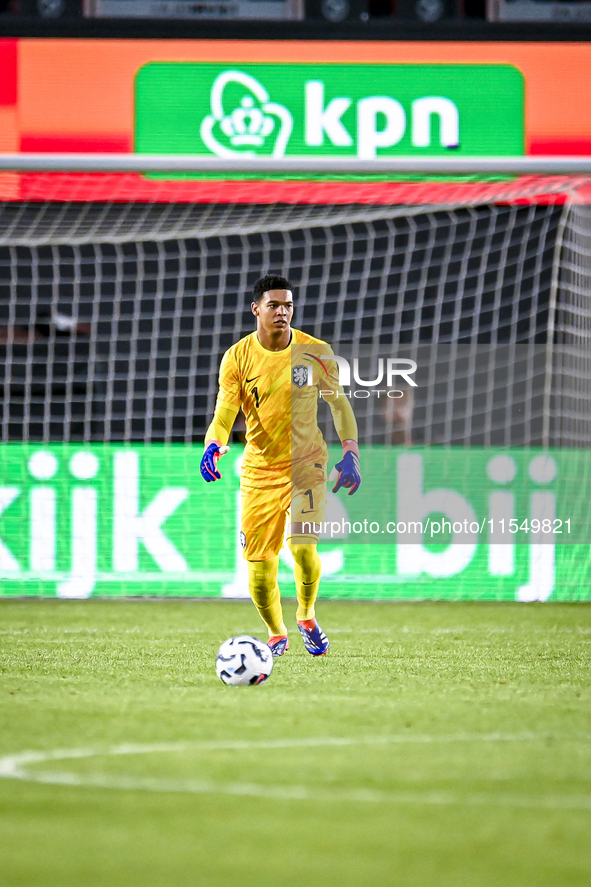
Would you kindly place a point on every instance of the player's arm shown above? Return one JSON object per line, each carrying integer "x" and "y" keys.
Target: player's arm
{"x": 226, "y": 410}
{"x": 347, "y": 472}
{"x": 216, "y": 440}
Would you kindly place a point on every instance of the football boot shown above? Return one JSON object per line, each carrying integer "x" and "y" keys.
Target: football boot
{"x": 315, "y": 641}
{"x": 278, "y": 645}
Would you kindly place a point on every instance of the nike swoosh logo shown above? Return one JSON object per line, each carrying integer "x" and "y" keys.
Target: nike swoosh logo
{"x": 309, "y": 511}
{"x": 254, "y": 378}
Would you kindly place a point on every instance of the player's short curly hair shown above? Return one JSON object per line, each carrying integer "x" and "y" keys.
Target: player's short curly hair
{"x": 270, "y": 282}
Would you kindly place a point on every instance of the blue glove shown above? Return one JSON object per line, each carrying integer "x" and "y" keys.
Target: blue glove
{"x": 213, "y": 451}
{"x": 349, "y": 469}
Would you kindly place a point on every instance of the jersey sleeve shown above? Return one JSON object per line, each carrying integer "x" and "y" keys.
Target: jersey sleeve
{"x": 344, "y": 419}
{"x": 333, "y": 374}
{"x": 228, "y": 401}
{"x": 342, "y": 412}
{"x": 229, "y": 384}
{"x": 221, "y": 425}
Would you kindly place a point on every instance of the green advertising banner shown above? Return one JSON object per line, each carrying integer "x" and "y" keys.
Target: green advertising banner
{"x": 353, "y": 110}
{"x": 114, "y": 520}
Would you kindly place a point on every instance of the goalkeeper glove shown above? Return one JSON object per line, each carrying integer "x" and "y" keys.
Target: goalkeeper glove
{"x": 349, "y": 469}
{"x": 213, "y": 451}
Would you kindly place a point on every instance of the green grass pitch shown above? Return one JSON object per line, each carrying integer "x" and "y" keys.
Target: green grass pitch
{"x": 437, "y": 745}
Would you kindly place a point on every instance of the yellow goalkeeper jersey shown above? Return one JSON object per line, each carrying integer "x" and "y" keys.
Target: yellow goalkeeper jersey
{"x": 278, "y": 392}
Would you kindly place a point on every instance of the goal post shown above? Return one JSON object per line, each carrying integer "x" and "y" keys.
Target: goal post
{"x": 119, "y": 298}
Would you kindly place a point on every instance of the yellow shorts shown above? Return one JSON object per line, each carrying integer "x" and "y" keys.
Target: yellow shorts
{"x": 266, "y": 510}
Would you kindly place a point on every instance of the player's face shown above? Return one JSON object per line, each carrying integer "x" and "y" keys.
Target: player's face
{"x": 274, "y": 311}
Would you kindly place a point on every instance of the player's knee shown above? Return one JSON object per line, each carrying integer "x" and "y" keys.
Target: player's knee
{"x": 263, "y": 575}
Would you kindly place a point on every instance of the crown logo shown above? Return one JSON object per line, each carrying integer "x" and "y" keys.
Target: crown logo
{"x": 247, "y": 125}
{"x": 254, "y": 124}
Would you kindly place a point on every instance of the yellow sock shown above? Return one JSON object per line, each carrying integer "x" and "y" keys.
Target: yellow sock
{"x": 264, "y": 591}
{"x": 307, "y": 574}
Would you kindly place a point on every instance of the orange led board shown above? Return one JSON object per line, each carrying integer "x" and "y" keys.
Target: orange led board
{"x": 81, "y": 95}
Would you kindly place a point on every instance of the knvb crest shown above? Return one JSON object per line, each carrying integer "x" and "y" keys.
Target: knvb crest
{"x": 299, "y": 375}
{"x": 255, "y": 125}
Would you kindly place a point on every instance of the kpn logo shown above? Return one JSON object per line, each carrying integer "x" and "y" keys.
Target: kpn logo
{"x": 363, "y": 111}
{"x": 254, "y": 124}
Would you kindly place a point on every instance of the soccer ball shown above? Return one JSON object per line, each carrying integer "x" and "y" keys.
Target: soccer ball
{"x": 244, "y": 660}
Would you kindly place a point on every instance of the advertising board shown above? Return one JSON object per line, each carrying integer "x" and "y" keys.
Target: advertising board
{"x": 356, "y": 98}
{"x": 341, "y": 110}
{"x": 116, "y": 520}
{"x": 222, "y": 10}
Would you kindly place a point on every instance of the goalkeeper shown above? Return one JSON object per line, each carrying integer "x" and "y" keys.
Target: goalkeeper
{"x": 275, "y": 375}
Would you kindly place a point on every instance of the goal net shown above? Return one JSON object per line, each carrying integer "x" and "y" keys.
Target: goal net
{"x": 114, "y": 317}
{"x": 115, "y": 314}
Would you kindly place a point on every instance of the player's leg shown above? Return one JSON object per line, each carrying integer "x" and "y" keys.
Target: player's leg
{"x": 263, "y": 526}
{"x": 308, "y": 510}
{"x": 264, "y": 591}
{"x": 307, "y": 570}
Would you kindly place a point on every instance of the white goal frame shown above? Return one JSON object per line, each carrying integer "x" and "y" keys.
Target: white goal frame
{"x": 393, "y": 166}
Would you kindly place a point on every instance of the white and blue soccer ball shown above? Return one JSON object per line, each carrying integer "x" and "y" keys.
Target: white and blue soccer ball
{"x": 244, "y": 661}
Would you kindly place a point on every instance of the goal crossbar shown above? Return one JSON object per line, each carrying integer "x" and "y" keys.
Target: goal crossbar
{"x": 383, "y": 166}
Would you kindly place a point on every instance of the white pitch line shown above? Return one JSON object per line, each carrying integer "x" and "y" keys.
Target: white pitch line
{"x": 16, "y": 767}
